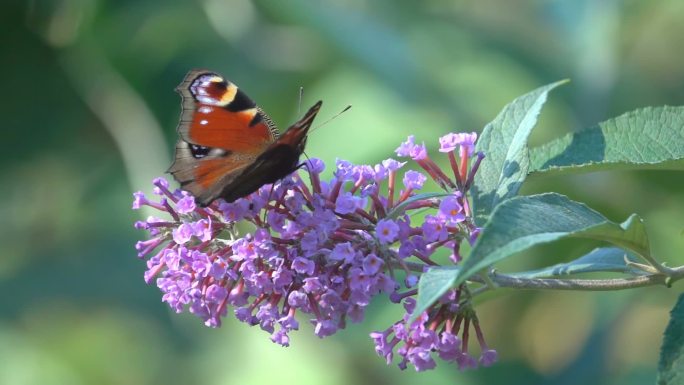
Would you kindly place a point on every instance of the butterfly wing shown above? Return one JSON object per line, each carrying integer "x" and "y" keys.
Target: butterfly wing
{"x": 217, "y": 114}
{"x": 222, "y": 132}
{"x": 280, "y": 159}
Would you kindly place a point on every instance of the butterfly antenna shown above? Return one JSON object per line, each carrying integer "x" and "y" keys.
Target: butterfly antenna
{"x": 305, "y": 163}
{"x": 301, "y": 96}
{"x": 345, "y": 109}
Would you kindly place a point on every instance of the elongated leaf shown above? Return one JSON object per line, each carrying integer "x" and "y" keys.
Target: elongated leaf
{"x": 522, "y": 222}
{"x": 401, "y": 207}
{"x": 433, "y": 283}
{"x": 671, "y": 365}
{"x": 649, "y": 138}
{"x": 504, "y": 142}
{"x": 602, "y": 259}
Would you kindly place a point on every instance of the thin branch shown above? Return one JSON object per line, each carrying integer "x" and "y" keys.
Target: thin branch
{"x": 503, "y": 280}
{"x": 585, "y": 284}
{"x": 657, "y": 265}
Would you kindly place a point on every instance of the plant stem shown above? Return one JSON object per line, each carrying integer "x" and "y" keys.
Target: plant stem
{"x": 507, "y": 281}
{"x": 657, "y": 265}
{"x": 504, "y": 280}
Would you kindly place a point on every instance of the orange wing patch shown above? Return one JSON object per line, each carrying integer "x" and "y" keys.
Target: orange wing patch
{"x": 209, "y": 171}
{"x": 220, "y": 128}
{"x": 204, "y": 177}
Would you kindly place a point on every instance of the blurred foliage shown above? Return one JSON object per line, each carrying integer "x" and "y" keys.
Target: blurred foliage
{"x": 89, "y": 114}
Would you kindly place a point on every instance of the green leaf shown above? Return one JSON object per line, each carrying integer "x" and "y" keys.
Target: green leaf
{"x": 522, "y": 222}
{"x": 649, "y": 138}
{"x": 598, "y": 260}
{"x": 504, "y": 142}
{"x": 433, "y": 283}
{"x": 671, "y": 365}
{"x": 401, "y": 207}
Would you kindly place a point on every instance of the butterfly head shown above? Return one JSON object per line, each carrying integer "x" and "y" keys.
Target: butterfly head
{"x": 296, "y": 135}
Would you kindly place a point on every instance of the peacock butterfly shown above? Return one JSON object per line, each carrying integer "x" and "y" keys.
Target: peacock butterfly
{"x": 227, "y": 146}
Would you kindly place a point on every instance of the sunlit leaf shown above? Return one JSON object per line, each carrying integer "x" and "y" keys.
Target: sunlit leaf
{"x": 649, "y": 138}
{"x": 433, "y": 283}
{"x": 504, "y": 142}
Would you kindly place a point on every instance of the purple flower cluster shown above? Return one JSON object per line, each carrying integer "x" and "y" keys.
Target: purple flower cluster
{"x": 434, "y": 332}
{"x": 324, "y": 249}
{"x": 302, "y": 257}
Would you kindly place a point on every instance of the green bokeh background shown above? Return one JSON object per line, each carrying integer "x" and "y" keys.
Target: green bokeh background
{"x": 89, "y": 113}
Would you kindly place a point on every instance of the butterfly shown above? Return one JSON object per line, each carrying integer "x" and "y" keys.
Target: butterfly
{"x": 228, "y": 147}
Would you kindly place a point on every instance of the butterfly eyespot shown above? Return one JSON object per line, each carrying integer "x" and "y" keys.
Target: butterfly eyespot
{"x": 213, "y": 90}
{"x": 199, "y": 152}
